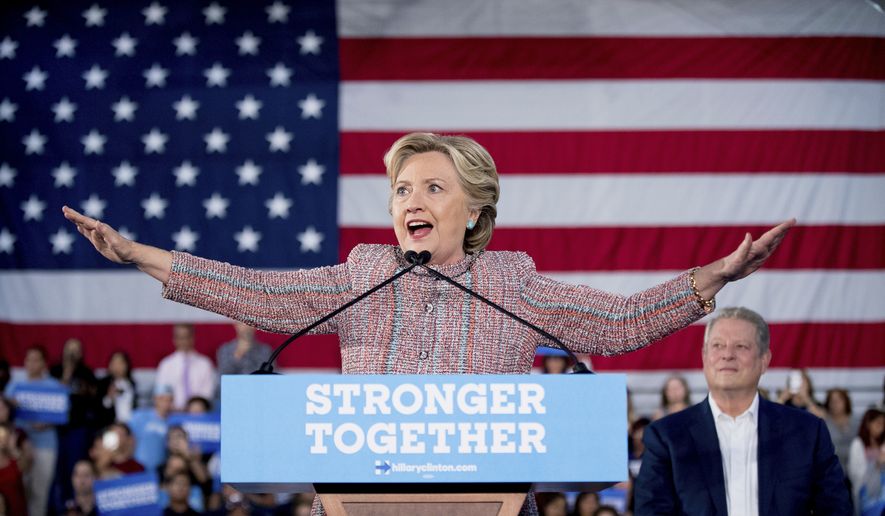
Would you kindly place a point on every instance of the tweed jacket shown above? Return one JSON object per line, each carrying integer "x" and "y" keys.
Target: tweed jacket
{"x": 419, "y": 324}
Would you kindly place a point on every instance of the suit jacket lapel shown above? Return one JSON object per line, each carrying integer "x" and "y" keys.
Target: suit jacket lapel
{"x": 703, "y": 431}
{"x": 767, "y": 454}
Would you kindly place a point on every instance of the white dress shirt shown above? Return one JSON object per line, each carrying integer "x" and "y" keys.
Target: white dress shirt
{"x": 738, "y": 444}
{"x": 196, "y": 368}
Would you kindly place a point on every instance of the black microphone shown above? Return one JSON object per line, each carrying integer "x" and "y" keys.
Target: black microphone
{"x": 411, "y": 256}
{"x": 424, "y": 256}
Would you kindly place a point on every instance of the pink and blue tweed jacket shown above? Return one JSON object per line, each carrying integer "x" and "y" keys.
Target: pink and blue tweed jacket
{"x": 422, "y": 325}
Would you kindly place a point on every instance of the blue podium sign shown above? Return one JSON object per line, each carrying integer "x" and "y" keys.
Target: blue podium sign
{"x": 285, "y": 433}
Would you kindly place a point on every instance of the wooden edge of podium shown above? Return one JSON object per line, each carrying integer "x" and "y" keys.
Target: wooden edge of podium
{"x": 396, "y": 504}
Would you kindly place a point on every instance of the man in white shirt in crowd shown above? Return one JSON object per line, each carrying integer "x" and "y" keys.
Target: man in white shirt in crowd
{"x": 188, "y": 373}
{"x": 736, "y": 453}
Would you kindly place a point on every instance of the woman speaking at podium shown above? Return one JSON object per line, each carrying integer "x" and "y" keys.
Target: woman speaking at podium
{"x": 443, "y": 196}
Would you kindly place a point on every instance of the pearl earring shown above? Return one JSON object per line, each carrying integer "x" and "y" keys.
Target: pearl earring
{"x": 470, "y": 224}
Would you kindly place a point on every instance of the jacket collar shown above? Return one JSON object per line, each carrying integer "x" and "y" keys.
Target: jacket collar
{"x": 703, "y": 432}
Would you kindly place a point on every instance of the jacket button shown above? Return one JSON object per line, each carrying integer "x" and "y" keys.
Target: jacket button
{"x": 428, "y": 307}
{"x": 422, "y": 355}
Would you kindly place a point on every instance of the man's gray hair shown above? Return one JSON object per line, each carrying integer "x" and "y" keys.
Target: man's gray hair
{"x": 763, "y": 338}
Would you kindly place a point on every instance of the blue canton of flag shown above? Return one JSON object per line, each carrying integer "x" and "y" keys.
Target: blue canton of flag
{"x": 204, "y": 127}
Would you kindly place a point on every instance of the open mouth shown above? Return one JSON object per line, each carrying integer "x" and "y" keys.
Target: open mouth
{"x": 419, "y": 228}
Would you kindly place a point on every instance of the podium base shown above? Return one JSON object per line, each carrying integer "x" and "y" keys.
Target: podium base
{"x": 425, "y": 504}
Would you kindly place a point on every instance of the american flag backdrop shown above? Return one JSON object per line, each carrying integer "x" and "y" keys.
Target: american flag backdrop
{"x": 634, "y": 140}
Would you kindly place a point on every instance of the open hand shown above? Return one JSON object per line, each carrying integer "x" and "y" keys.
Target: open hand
{"x": 106, "y": 240}
{"x": 751, "y": 254}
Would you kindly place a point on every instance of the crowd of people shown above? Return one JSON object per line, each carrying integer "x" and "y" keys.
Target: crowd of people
{"x": 51, "y": 469}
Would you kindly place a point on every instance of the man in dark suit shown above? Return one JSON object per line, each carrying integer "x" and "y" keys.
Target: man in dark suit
{"x": 736, "y": 453}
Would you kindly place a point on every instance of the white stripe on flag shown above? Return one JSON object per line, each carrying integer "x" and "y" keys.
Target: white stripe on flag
{"x": 425, "y": 18}
{"x": 120, "y": 297}
{"x": 651, "y": 200}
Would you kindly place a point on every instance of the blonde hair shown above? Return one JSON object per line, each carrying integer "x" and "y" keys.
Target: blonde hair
{"x": 477, "y": 176}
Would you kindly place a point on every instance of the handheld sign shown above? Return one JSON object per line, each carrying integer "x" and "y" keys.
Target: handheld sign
{"x": 41, "y": 403}
{"x": 136, "y": 494}
{"x": 204, "y": 430}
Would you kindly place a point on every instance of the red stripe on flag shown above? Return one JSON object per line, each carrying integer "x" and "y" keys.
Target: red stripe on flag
{"x": 667, "y": 248}
{"x": 147, "y": 344}
{"x": 792, "y": 345}
{"x": 500, "y": 58}
{"x": 609, "y": 152}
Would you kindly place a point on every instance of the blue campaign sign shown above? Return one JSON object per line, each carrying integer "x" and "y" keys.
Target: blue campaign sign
{"x": 204, "y": 430}
{"x": 136, "y": 494}
{"x": 284, "y": 433}
{"x": 41, "y": 403}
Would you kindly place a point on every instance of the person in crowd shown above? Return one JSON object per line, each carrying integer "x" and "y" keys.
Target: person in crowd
{"x": 149, "y": 428}
{"x": 606, "y": 510}
{"x": 244, "y": 354}
{"x": 841, "y": 424}
{"x": 19, "y": 446}
{"x": 586, "y": 504}
{"x": 675, "y": 396}
{"x": 635, "y": 446}
{"x": 42, "y": 436}
{"x": 865, "y": 453}
{"x": 112, "y": 452}
{"x": 75, "y": 437}
{"x": 117, "y": 390}
{"x": 178, "y": 445}
{"x": 188, "y": 372}
{"x": 735, "y": 453}
{"x": 554, "y": 364}
{"x": 198, "y": 405}
{"x": 443, "y": 200}
{"x": 552, "y": 504}
{"x": 12, "y": 487}
{"x": 799, "y": 393}
{"x": 178, "y": 488}
{"x": 177, "y": 463}
{"x": 82, "y": 502}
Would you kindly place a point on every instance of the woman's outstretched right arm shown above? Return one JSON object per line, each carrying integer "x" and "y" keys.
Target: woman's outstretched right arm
{"x": 113, "y": 246}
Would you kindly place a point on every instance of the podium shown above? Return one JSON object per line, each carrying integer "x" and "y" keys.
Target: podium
{"x": 450, "y": 445}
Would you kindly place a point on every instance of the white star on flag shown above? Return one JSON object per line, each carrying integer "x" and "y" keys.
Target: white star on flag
{"x": 93, "y": 143}
{"x": 65, "y": 46}
{"x": 95, "y": 78}
{"x": 310, "y": 43}
{"x": 217, "y": 75}
{"x": 249, "y": 107}
{"x": 278, "y": 12}
{"x": 7, "y": 111}
{"x": 64, "y": 175}
{"x": 248, "y": 44}
{"x": 33, "y": 208}
{"x": 279, "y": 75}
{"x": 214, "y": 14}
{"x": 185, "y": 239}
{"x": 216, "y": 206}
{"x": 154, "y": 141}
{"x": 186, "y": 174}
{"x": 310, "y": 240}
{"x": 278, "y": 206}
{"x": 64, "y": 110}
{"x": 7, "y": 48}
{"x": 34, "y": 142}
{"x": 311, "y": 107}
{"x": 124, "y": 45}
{"x": 185, "y": 45}
{"x": 154, "y": 206}
{"x": 155, "y": 76}
{"x": 154, "y": 14}
{"x": 94, "y": 206}
{"x": 7, "y": 241}
{"x": 216, "y": 141}
{"x": 61, "y": 241}
{"x": 311, "y": 172}
{"x": 124, "y": 109}
{"x": 95, "y": 16}
{"x": 35, "y": 79}
{"x": 186, "y": 108}
{"x": 124, "y": 174}
{"x": 35, "y": 17}
{"x": 279, "y": 140}
{"x": 248, "y": 173}
{"x": 247, "y": 239}
{"x": 7, "y": 175}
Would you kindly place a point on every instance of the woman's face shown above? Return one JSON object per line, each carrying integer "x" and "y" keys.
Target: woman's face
{"x": 877, "y": 426}
{"x": 675, "y": 391}
{"x": 117, "y": 366}
{"x": 430, "y": 209}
